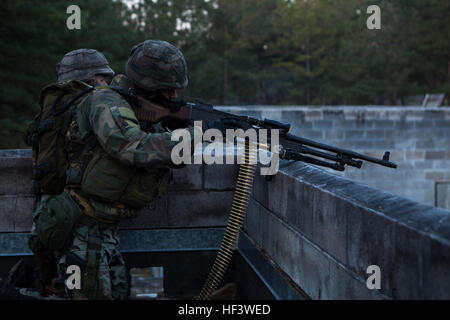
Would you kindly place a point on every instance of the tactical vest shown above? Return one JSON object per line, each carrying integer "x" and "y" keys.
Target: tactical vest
{"x": 46, "y": 135}
{"x": 108, "y": 187}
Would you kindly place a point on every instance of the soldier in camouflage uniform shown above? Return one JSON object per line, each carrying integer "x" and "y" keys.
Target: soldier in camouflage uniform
{"x": 116, "y": 168}
{"x": 91, "y": 67}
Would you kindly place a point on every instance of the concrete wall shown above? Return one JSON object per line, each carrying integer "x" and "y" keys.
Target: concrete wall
{"x": 418, "y": 138}
{"x": 318, "y": 230}
{"x": 324, "y": 231}
{"x": 195, "y": 197}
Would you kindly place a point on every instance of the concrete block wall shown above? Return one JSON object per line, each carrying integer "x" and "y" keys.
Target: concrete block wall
{"x": 324, "y": 231}
{"x": 321, "y": 230}
{"x": 418, "y": 139}
{"x": 199, "y": 195}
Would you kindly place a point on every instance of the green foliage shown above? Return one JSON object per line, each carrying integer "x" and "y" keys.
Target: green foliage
{"x": 238, "y": 52}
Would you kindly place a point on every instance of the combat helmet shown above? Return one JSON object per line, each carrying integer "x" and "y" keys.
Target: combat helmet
{"x": 157, "y": 64}
{"x": 82, "y": 64}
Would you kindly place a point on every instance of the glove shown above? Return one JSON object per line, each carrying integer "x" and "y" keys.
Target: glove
{"x": 222, "y": 125}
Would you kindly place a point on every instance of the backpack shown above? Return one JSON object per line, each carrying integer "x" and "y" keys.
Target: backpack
{"x": 46, "y": 135}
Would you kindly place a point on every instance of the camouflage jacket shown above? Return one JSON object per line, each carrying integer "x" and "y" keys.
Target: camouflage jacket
{"x": 125, "y": 165}
{"x": 109, "y": 117}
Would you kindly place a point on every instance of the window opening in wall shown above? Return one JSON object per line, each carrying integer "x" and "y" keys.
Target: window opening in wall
{"x": 442, "y": 194}
{"x": 147, "y": 283}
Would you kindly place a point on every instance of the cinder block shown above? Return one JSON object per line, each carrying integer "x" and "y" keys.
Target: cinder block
{"x": 415, "y": 155}
{"x": 436, "y": 263}
{"x": 313, "y": 115}
{"x": 422, "y": 124}
{"x": 414, "y": 115}
{"x": 312, "y": 134}
{"x": 221, "y": 176}
{"x": 7, "y": 213}
{"x": 425, "y": 144}
{"x": 189, "y": 177}
{"x": 300, "y": 207}
{"x": 407, "y": 273}
{"x": 345, "y": 124}
{"x": 333, "y": 134}
{"x": 277, "y": 194}
{"x": 433, "y": 115}
{"x": 330, "y": 223}
{"x": 375, "y": 134}
{"x": 199, "y": 208}
{"x": 370, "y": 242}
{"x": 384, "y": 124}
{"x": 15, "y": 175}
{"x": 434, "y": 175}
{"x": 23, "y": 218}
{"x": 403, "y": 125}
{"x": 355, "y": 134}
{"x": 314, "y": 276}
{"x": 152, "y": 216}
{"x": 322, "y": 124}
{"x": 435, "y": 155}
{"x": 442, "y": 123}
{"x": 364, "y": 144}
{"x": 395, "y": 115}
{"x": 260, "y": 190}
{"x": 333, "y": 114}
{"x": 282, "y": 245}
{"x": 420, "y": 165}
{"x": 16, "y": 213}
{"x": 253, "y": 220}
{"x": 386, "y": 144}
{"x": 441, "y": 164}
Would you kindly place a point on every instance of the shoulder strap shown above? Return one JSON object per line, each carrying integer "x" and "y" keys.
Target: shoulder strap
{"x": 68, "y": 104}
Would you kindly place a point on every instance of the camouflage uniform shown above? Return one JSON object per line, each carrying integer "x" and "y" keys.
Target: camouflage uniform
{"x": 115, "y": 169}
{"x": 83, "y": 65}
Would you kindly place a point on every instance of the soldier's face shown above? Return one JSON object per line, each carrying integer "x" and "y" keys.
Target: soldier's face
{"x": 169, "y": 94}
{"x": 99, "y": 81}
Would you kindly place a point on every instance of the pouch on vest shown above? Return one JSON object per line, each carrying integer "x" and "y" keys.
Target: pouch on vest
{"x": 106, "y": 178}
{"x": 145, "y": 186}
{"x": 55, "y": 220}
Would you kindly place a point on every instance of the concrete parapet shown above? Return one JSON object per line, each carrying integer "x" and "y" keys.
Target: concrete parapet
{"x": 319, "y": 230}
{"x": 198, "y": 195}
{"x": 324, "y": 231}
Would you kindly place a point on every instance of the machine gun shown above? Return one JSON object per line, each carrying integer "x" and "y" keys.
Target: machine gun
{"x": 291, "y": 147}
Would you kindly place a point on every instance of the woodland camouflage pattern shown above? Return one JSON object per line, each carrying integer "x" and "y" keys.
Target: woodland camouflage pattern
{"x": 111, "y": 277}
{"x": 133, "y": 167}
{"x": 110, "y": 118}
{"x": 83, "y": 64}
{"x": 107, "y": 116}
{"x": 156, "y": 64}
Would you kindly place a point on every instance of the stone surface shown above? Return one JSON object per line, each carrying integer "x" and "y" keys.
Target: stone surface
{"x": 199, "y": 208}
{"x": 418, "y": 139}
{"x": 353, "y": 226}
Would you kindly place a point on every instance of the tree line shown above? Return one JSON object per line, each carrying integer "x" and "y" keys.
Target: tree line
{"x": 277, "y": 52}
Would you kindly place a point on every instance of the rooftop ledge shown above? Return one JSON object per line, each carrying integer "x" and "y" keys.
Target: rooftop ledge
{"x": 316, "y": 231}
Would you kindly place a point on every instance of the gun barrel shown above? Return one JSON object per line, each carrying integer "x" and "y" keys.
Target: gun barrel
{"x": 288, "y": 141}
{"x": 339, "y": 151}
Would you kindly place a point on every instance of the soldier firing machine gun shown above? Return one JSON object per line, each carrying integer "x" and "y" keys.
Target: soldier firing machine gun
{"x": 292, "y": 148}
